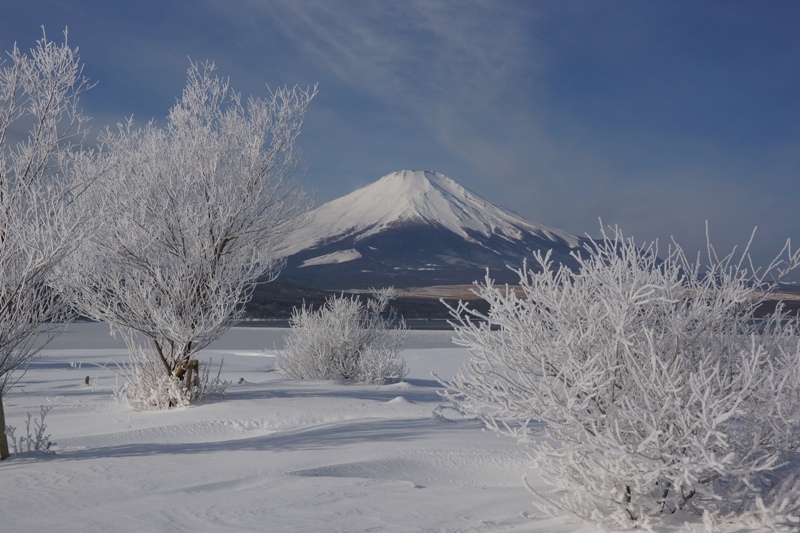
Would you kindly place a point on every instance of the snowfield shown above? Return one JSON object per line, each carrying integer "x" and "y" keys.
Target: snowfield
{"x": 275, "y": 455}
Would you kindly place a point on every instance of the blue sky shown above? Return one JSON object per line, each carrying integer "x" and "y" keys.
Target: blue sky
{"x": 657, "y": 116}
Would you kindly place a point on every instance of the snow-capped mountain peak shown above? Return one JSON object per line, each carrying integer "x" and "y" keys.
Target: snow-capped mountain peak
{"x": 422, "y": 197}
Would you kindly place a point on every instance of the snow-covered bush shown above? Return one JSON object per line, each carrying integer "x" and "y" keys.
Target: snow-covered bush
{"x": 346, "y": 338}
{"x": 34, "y": 440}
{"x": 147, "y": 387}
{"x": 659, "y": 388}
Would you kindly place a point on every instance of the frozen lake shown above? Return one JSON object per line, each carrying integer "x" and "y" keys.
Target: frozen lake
{"x": 95, "y": 336}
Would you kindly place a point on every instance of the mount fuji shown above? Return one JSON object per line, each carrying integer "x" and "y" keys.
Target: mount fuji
{"x": 414, "y": 229}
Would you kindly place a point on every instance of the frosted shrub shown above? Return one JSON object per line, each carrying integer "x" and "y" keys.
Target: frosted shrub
{"x": 346, "y": 338}
{"x": 148, "y": 388}
{"x": 659, "y": 389}
{"x": 34, "y": 440}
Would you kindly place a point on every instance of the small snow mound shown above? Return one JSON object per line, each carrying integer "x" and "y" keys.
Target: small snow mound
{"x": 400, "y": 400}
{"x": 252, "y": 353}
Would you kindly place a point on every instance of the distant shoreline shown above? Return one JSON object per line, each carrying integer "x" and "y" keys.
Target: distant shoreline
{"x": 413, "y": 324}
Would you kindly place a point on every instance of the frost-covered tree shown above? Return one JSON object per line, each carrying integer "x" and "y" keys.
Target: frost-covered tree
{"x": 643, "y": 387}
{"x": 41, "y": 130}
{"x": 195, "y": 213}
{"x": 346, "y": 338}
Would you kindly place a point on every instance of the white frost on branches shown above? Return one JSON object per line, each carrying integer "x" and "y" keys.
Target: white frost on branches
{"x": 346, "y": 338}
{"x": 195, "y": 212}
{"x": 659, "y": 388}
{"x": 41, "y": 131}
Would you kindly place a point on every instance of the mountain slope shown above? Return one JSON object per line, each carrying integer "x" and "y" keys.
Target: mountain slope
{"x": 414, "y": 228}
{"x": 408, "y": 197}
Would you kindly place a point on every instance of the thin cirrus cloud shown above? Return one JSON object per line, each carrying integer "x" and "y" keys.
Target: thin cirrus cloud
{"x": 456, "y": 69}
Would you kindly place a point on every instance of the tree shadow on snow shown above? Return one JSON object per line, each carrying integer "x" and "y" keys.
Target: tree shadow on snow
{"x": 321, "y": 437}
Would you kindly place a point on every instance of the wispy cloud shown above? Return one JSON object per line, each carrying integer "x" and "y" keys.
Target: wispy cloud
{"x": 565, "y": 112}
{"x": 461, "y": 69}
{"x": 654, "y": 116}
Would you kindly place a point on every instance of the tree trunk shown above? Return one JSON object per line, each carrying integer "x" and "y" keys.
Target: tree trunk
{"x": 4, "y": 453}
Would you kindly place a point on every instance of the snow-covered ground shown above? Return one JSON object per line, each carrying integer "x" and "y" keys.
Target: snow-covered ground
{"x": 274, "y": 455}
